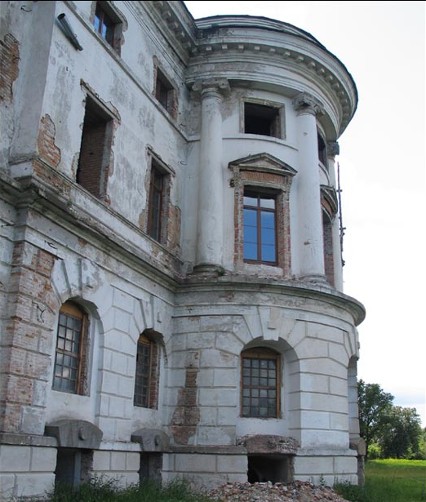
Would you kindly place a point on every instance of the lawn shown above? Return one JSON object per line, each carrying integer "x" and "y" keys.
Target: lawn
{"x": 390, "y": 480}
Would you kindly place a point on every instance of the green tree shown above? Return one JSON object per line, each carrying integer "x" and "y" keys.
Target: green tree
{"x": 401, "y": 433}
{"x": 374, "y": 408}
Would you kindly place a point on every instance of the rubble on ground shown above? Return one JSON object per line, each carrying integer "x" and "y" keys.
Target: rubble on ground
{"x": 298, "y": 491}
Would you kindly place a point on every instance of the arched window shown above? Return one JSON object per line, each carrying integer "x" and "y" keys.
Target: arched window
{"x": 146, "y": 377}
{"x": 71, "y": 350}
{"x": 260, "y": 383}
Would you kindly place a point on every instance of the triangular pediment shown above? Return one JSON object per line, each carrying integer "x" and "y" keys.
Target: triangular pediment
{"x": 263, "y": 162}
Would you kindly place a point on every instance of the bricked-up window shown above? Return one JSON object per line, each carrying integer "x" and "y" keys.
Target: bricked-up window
{"x": 262, "y": 119}
{"x": 71, "y": 344}
{"x": 108, "y": 25}
{"x": 260, "y": 383}
{"x": 157, "y": 202}
{"x": 260, "y": 228}
{"x": 146, "y": 377}
{"x": 95, "y": 151}
{"x": 165, "y": 93}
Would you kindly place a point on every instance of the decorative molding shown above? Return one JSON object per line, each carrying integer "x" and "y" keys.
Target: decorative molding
{"x": 333, "y": 148}
{"x": 216, "y": 85}
{"x": 305, "y": 103}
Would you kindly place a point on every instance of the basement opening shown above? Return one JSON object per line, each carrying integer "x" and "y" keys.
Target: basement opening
{"x": 273, "y": 468}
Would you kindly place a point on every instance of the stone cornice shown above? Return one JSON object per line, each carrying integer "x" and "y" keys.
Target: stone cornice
{"x": 252, "y": 39}
{"x": 238, "y": 283}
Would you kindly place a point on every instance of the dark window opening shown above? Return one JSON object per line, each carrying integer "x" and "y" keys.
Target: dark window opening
{"x": 70, "y": 364}
{"x": 156, "y": 203}
{"x": 322, "y": 151}
{"x": 264, "y": 468}
{"x": 261, "y": 119}
{"x": 165, "y": 93}
{"x": 146, "y": 377}
{"x": 260, "y": 383}
{"x": 95, "y": 150}
{"x": 260, "y": 226}
{"x": 73, "y": 466}
{"x": 151, "y": 467}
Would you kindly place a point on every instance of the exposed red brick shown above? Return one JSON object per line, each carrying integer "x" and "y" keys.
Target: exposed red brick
{"x": 47, "y": 149}
{"x": 9, "y": 66}
{"x": 187, "y": 413}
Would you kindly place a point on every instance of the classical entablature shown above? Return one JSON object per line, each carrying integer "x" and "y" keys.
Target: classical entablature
{"x": 229, "y": 43}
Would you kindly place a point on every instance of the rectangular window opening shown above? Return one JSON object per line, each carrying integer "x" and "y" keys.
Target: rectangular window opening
{"x": 108, "y": 25}
{"x": 165, "y": 93}
{"x": 259, "y": 388}
{"x": 95, "y": 150}
{"x": 260, "y": 228}
{"x": 261, "y": 119}
{"x": 157, "y": 203}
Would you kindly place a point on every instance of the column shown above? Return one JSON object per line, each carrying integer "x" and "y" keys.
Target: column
{"x": 333, "y": 150}
{"x": 210, "y": 177}
{"x": 310, "y": 244}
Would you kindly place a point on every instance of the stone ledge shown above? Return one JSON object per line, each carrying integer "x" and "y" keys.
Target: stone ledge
{"x": 8, "y": 438}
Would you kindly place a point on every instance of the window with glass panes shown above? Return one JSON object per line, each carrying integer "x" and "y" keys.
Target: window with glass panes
{"x": 260, "y": 383}
{"x": 145, "y": 367}
{"x": 103, "y": 24}
{"x": 69, "y": 367}
{"x": 260, "y": 227}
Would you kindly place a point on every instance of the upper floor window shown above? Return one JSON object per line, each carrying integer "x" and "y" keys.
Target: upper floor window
{"x": 95, "y": 150}
{"x": 165, "y": 93}
{"x": 71, "y": 346}
{"x": 157, "y": 202}
{"x": 260, "y": 228}
{"x": 146, "y": 375}
{"x": 261, "y": 185}
{"x": 260, "y": 386}
{"x": 108, "y": 24}
{"x": 262, "y": 119}
{"x": 322, "y": 151}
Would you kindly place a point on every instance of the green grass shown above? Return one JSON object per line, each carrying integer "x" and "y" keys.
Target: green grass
{"x": 389, "y": 480}
{"x": 100, "y": 490}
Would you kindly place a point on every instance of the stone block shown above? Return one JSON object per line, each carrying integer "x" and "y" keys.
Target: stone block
{"x": 218, "y": 397}
{"x": 228, "y": 342}
{"x": 43, "y": 459}
{"x": 118, "y": 461}
{"x": 101, "y": 460}
{"x": 212, "y": 358}
{"x": 133, "y": 461}
{"x": 195, "y": 462}
{"x": 7, "y": 484}
{"x": 227, "y": 415}
{"x": 315, "y": 420}
{"x": 15, "y": 458}
{"x": 34, "y": 484}
{"x": 232, "y": 463}
{"x": 312, "y": 465}
{"x": 208, "y": 415}
{"x": 225, "y": 378}
{"x": 122, "y": 301}
{"x": 339, "y": 386}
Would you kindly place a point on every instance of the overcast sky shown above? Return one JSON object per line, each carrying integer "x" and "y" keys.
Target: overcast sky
{"x": 383, "y": 175}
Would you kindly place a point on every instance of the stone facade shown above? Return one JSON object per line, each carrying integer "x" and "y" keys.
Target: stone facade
{"x": 137, "y": 314}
